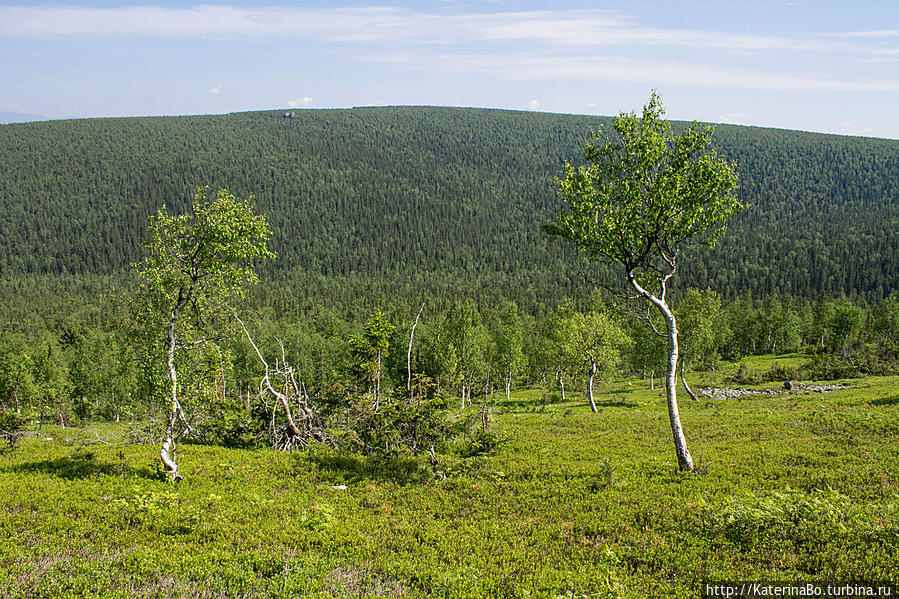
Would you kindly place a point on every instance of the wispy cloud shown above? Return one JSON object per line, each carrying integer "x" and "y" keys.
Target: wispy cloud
{"x": 534, "y": 105}
{"x": 540, "y": 67}
{"x": 585, "y": 45}
{"x": 595, "y": 28}
{"x": 869, "y": 34}
{"x": 852, "y": 128}
{"x": 215, "y": 91}
{"x": 736, "y": 118}
{"x": 305, "y": 102}
{"x": 587, "y": 28}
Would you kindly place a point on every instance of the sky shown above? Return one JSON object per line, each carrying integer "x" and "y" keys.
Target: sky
{"x": 815, "y": 65}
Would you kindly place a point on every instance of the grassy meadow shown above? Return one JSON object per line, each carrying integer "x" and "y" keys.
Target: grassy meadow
{"x": 793, "y": 486}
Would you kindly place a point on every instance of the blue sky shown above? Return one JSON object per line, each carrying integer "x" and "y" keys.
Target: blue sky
{"x": 797, "y": 64}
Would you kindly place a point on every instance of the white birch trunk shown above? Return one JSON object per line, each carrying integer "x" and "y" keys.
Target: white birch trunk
{"x": 684, "y": 459}
{"x": 409, "y": 353}
{"x": 167, "y": 454}
{"x": 590, "y": 387}
{"x": 683, "y": 381}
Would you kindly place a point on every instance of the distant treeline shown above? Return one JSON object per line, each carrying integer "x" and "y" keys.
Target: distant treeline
{"x": 436, "y": 202}
{"x": 71, "y": 358}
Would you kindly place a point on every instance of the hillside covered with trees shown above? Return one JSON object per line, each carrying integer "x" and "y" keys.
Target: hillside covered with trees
{"x": 410, "y": 201}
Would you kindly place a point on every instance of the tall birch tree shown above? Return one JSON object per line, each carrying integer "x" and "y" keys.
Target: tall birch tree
{"x": 636, "y": 202}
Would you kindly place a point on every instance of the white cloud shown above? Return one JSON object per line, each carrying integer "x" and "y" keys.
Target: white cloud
{"x": 870, "y": 34}
{"x": 597, "y": 28}
{"x": 736, "y": 118}
{"x": 586, "y": 45}
{"x": 216, "y": 90}
{"x": 534, "y": 105}
{"x": 852, "y": 128}
{"x": 590, "y": 105}
{"x": 304, "y": 103}
{"x": 586, "y": 28}
{"x": 584, "y": 67}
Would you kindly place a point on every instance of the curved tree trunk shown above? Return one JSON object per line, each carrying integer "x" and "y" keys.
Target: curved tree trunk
{"x": 169, "y": 446}
{"x": 409, "y": 353}
{"x": 684, "y": 459}
{"x": 590, "y": 387}
{"x": 683, "y": 381}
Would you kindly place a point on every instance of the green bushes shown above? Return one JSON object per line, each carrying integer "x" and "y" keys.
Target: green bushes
{"x": 545, "y": 504}
{"x": 11, "y": 427}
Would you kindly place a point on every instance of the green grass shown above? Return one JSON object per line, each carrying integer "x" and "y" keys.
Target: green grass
{"x": 572, "y": 504}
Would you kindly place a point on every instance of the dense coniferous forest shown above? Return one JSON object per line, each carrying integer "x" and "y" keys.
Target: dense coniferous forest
{"x": 408, "y": 201}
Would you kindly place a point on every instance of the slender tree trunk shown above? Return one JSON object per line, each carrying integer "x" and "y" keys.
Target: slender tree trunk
{"x": 169, "y": 447}
{"x": 562, "y": 387}
{"x": 590, "y": 386}
{"x": 378, "y": 384}
{"x": 652, "y": 383}
{"x": 684, "y": 459}
{"x": 409, "y": 353}
{"x": 683, "y": 381}
{"x": 509, "y": 385}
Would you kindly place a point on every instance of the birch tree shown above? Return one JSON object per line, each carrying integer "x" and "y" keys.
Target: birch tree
{"x": 592, "y": 344}
{"x": 195, "y": 264}
{"x": 636, "y": 202}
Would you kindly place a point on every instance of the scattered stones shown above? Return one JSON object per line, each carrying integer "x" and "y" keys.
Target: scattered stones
{"x": 823, "y": 388}
{"x": 733, "y": 392}
{"x": 736, "y": 392}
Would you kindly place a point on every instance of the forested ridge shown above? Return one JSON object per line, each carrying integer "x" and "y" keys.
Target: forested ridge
{"x": 415, "y": 200}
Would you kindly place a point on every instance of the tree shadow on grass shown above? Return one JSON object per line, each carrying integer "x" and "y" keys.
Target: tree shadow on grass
{"x": 616, "y": 403}
{"x": 347, "y": 468}
{"x": 81, "y": 465}
{"x": 886, "y": 401}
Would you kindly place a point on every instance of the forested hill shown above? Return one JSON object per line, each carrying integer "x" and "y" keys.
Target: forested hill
{"x": 445, "y": 197}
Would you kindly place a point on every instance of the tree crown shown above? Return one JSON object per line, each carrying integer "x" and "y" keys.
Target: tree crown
{"x": 204, "y": 254}
{"x": 638, "y": 199}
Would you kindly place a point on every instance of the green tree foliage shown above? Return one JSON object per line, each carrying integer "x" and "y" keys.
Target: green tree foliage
{"x": 508, "y": 345}
{"x": 704, "y": 330}
{"x": 638, "y": 201}
{"x": 844, "y": 325}
{"x": 196, "y": 262}
{"x": 885, "y": 324}
{"x": 16, "y": 372}
{"x": 370, "y": 348}
{"x": 593, "y": 344}
{"x": 465, "y": 334}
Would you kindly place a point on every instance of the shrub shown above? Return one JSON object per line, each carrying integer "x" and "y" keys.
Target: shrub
{"x": 11, "y": 426}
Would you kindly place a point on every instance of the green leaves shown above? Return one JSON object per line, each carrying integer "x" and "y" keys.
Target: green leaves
{"x": 637, "y": 200}
{"x": 205, "y": 254}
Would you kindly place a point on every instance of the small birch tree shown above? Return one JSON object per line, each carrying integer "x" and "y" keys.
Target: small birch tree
{"x": 196, "y": 263}
{"x": 592, "y": 344}
{"x": 637, "y": 202}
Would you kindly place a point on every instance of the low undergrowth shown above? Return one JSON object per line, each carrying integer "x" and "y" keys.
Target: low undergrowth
{"x": 558, "y": 502}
